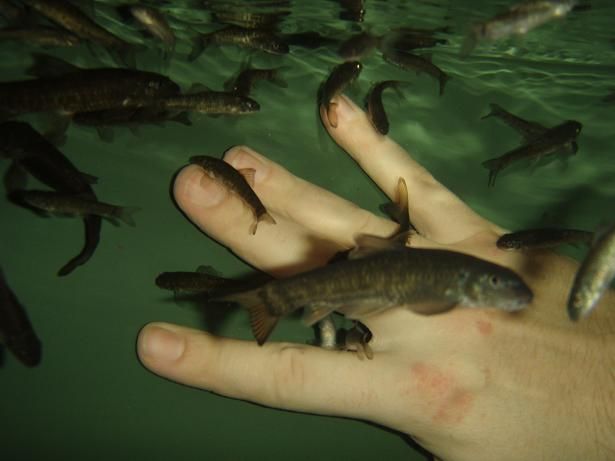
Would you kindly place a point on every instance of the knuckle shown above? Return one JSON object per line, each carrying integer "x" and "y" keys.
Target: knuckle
{"x": 289, "y": 374}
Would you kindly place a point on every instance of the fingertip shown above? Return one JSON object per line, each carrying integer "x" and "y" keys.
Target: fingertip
{"x": 160, "y": 345}
{"x": 193, "y": 187}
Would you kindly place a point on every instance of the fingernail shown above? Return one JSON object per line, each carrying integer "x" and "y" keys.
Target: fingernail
{"x": 196, "y": 186}
{"x": 243, "y": 157}
{"x": 161, "y": 344}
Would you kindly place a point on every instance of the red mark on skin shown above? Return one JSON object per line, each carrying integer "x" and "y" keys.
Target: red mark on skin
{"x": 440, "y": 390}
{"x": 430, "y": 381}
{"x": 484, "y": 328}
{"x": 455, "y": 408}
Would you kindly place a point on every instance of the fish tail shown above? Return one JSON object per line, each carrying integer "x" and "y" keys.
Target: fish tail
{"x": 262, "y": 322}
{"x": 92, "y": 237}
{"x": 494, "y": 166}
{"x": 495, "y": 111}
{"x": 198, "y": 46}
{"x": 125, "y": 214}
{"x": 443, "y": 79}
{"x": 266, "y": 217}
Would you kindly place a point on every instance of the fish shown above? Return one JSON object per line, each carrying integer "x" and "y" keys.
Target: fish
{"x": 541, "y": 142}
{"x": 426, "y": 281}
{"x": 208, "y": 102}
{"x": 340, "y": 77}
{"x": 85, "y": 90}
{"x": 16, "y": 331}
{"x": 594, "y": 276}
{"x": 359, "y": 46}
{"x": 190, "y": 282}
{"x": 31, "y": 152}
{"x": 239, "y": 182}
{"x": 242, "y": 84}
{"x": 71, "y": 18}
{"x": 416, "y": 63}
{"x": 407, "y": 38}
{"x": 40, "y": 35}
{"x": 531, "y": 239}
{"x": 206, "y": 280}
{"x": 73, "y": 205}
{"x": 255, "y": 39}
{"x": 250, "y": 19}
{"x": 518, "y": 20}
{"x": 375, "y": 108}
{"x": 529, "y": 130}
{"x": 156, "y": 24}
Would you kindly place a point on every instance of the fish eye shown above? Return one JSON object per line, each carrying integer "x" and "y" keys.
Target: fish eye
{"x": 494, "y": 280}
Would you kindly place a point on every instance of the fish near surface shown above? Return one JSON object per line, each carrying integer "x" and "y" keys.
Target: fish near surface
{"x": 517, "y": 20}
{"x": 71, "y": 18}
{"x": 85, "y": 90}
{"x": 426, "y": 281}
{"x": 239, "y": 182}
{"x": 541, "y": 142}
{"x": 156, "y": 24}
{"x": 255, "y": 39}
{"x": 594, "y": 276}
{"x": 416, "y": 63}
{"x": 16, "y": 330}
{"x": 209, "y": 102}
{"x": 530, "y": 239}
{"x": 339, "y": 78}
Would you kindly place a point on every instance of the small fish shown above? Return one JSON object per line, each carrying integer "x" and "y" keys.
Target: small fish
{"x": 531, "y": 239}
{"x": 242, "y": 84}
{"x": 375, "y": 107}
{"x": 359, "y": 46}
{"x": 527, "y": 129}
{"x": 85, "y": 90}
{"x": 517, "y": 20}
{"x": 426, "y": 281}
{"x": 541, "y": 143}
{"x": 156, "y": 24}
{"x": 594, "y": 276}
{"x": 74, "y": 205}
{"x": 407, "y": 39}
{"x": 16, "y": 330}
{"x": 416, "y": 63}
{"x": 200, "y": 281}
{"x": 71, "y": 18}
{"x": 255, "y": 39}
{"x": 209, "y": 102}
{"x": 250, "y": 19}
{"x": 340, "y": 77}
{"x": 40, "y": 35}
{"x": 239, "y": 182}
{"x": 31, "y": 152}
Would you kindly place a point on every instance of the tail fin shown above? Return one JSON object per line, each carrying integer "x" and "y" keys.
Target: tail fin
{"x": 494, "y": 166}
{"x": 443, "y": 79}
{"x": 125, "y": 214}
{"x": 262, "y": 321}
{"x": 264, "y": 217}
{"x": 495, "y": 111}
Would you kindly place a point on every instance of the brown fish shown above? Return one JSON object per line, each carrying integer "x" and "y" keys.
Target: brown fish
{"x": 238, "y": 182}
{"x": 339, "y": 78}
{"x": 542, "y": 238}
{"x": 375, "y": 107}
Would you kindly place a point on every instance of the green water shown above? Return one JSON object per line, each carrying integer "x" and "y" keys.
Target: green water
{"x": 91, "y": 399}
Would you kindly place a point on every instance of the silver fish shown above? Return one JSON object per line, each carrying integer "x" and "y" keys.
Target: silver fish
{"x": 594, "y": 276}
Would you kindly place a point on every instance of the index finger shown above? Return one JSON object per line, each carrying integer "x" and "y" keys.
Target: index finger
{"x": 436, "y": 212}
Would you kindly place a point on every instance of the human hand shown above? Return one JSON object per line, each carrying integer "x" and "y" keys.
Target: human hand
{"x": 470, "y": 384}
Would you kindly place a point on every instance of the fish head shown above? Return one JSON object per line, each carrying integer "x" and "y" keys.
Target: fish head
{"x": 497, "y": 287}
{"x": 504, "y": 243}
{"x": 574, "y": 126}
{"x": 277, "y": 47}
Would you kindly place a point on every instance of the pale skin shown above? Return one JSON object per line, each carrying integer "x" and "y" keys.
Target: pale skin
{"x": 470, "y": 384}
